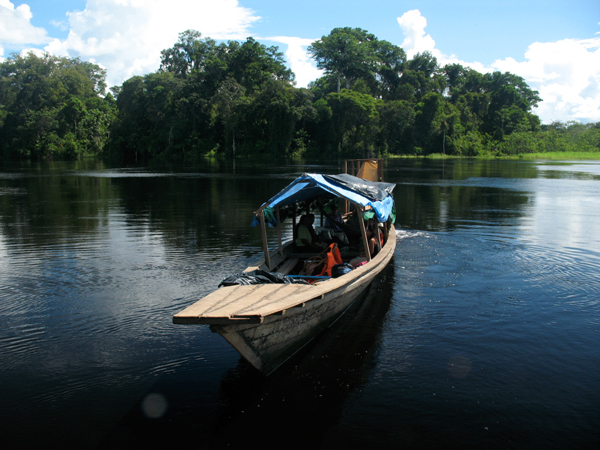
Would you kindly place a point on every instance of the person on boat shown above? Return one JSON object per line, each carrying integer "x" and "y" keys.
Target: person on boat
{"x": 373, "y": 237}
{"x": 307, "y": 239}
{"x": 334, "y": 220}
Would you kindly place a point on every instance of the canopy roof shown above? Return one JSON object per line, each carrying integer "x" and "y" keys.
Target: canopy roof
{"x": 372, "y": 194}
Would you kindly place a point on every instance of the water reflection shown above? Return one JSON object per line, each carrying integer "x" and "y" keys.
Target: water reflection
{"x": 491, "y": 304}
{"x": 307, "y": 393}
{"x": 209, "y": 208}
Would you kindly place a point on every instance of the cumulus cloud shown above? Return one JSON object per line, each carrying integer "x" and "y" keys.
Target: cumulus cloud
{"x": 565, "y": 73}
{"x": 298, "y": 59}
{"x": 413, "y": 25}
{"x": 127, "y": 36}
{"x": 16, "y": 28}
{"x": 416, "y": 41}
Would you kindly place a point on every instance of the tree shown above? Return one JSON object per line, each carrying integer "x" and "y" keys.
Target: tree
{"x": 473, "y": 109}
{"x": 447, "y": 120}
{"x": 356, "y": 122}
{"x": 396, "y": 118}
{"x": 47, "y": 104}
{"x": 129, "y": 133}
{"x": 227, "y": 107}
{"x": 389, "y": 67}
{"x": 253, "y": 65}
{"x": 423, "y": 76}
{"x": 470, "y": 143}
{"x": 348, "y": 53}
{"x": 511, "y": 89}
{"x": 190, "y": 53}
{"x": 434, "y": 118}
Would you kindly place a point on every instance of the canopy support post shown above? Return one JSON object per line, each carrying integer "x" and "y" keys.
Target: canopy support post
{"x": 264, "y": 239}
{"x": 294, "y": 230}
{"x": 363, "y": 232}
{"x": 279, "y": 231}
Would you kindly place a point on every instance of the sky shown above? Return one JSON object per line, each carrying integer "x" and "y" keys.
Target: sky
{"x": 553, "y": 44}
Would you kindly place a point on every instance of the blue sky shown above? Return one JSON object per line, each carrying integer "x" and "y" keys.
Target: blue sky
{"x": 554, "y": 45}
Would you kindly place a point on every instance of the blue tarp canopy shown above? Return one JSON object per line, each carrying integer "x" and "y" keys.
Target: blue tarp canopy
{"x": 376, "y": 195}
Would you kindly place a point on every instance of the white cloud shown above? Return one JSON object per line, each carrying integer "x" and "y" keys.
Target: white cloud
{"x": 127, "y": 36}
{"x": 298, "y": 59}
{"x": 16, "y": 28}
{"x": 565, "y": 73}
{"x": 61, "y": 25}
{"x": 416, "y": 41}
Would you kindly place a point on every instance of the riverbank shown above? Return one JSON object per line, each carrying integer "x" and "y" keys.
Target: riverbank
{"x": 553, "y": 156}
{"x": 579, "y": 156}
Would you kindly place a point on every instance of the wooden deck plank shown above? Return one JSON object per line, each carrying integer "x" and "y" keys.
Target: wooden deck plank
{"x": 279, "y": 297}
{"x": 287, "y": 267}
{"x": 246, "y": 304}
{"x": 359, "y": 276}
{"x": 256, "y": 301}
{"x": 227, "y": 300}
{"x": 221, "y": 297}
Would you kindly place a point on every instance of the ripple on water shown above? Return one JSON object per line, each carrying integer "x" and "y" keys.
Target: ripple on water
{"x": 564, "y": 272}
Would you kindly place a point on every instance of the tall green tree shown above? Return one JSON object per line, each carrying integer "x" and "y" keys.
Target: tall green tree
{"x": 253, "y": 65}
{"x": 511, "y": 103}
{"x": 434, "y": 120}
{"x": 346, "y": 53}
{"x": 389, "y": 70}
{"x": 421, "y": 76}
{"x": 190, "y": 53}
{"x": 51, "y": 107}
{"x": 229, "y": 105}
{"x": 397, "y": 117}
{"x": 356, "y": 123}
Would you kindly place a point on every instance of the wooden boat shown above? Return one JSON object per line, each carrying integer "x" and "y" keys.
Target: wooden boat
{"x": 268, "y": 323}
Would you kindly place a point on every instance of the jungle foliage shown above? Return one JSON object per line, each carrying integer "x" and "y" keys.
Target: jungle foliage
{"x": 52, "y": 108}
{"x": 239, "y": 98}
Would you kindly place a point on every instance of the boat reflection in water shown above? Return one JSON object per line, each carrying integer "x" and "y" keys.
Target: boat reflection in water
{"x": 311, "y": 393}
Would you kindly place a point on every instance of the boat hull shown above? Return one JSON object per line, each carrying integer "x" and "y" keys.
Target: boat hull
{"x": 278, "y": 337}
{"x": 269, "y": 323}
{"x": 269, "y": 344}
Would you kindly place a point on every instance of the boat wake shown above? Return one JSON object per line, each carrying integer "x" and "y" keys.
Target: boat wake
{"x": 404, "y": 234}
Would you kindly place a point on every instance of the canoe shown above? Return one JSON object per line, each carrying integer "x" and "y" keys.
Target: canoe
{"x": 269, "y": 323}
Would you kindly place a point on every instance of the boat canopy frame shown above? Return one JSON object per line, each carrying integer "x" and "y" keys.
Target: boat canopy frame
{"x": 363, "y": 194}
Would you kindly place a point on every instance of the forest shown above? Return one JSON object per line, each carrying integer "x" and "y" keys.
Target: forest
{"x": 239, "y": 99}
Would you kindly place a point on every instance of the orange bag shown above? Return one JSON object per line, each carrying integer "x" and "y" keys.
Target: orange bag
{"x": 333, "y": 257}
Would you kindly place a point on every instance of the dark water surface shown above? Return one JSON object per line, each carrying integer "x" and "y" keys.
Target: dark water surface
{"x": 484, "y": 331}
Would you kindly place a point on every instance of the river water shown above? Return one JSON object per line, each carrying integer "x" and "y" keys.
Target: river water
{"x": 483, "y": 332}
